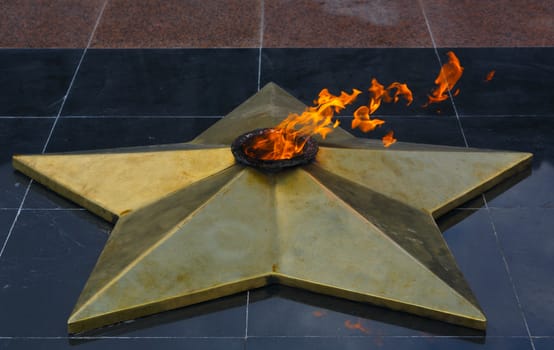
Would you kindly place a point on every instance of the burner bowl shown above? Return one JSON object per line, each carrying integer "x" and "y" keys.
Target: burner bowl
{"x": 307, "y": 156}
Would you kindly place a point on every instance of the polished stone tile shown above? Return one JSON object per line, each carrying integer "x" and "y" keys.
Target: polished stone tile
{"x": 378, "y": 342}
{"x": 80, "y": 134}
{"x": 136, "y": 344}
{"x": 46, "y": 263}
{"x": 34, "y": 82}
{"x": 43, "y": 24}
{"x": 332, "y": 24}
{"x": 304, "y": 72}
{"x": 298, "y": 313}
{"x": 18, "y": 136}
{"x": 523, "y": 81}
{"x": 6, "y": 219}
{"x": 544, "y": 343}
{"x": 163, "y": 82}
{"x": 527, "y": 238}
{"x": 475, "y": 248}
{"x": 175, "y": 23}
{"x": 501, "y": 23}
{"x": 526, "y": 134}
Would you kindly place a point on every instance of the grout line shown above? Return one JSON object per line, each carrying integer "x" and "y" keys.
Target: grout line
{"x": 15, "y": 219}
{"x": 262, "y": 25}
{"x": 74, "y": 76}
{"x": 440, "y": 64}
{"x": 247, "y": 305}
{"x": 509, "y": 272}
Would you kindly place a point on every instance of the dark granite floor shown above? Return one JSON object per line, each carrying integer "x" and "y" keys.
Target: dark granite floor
{"x": 69, "y": 81}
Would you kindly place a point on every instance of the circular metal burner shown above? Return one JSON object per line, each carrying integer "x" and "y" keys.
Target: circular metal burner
{"x": 307, "y": 156}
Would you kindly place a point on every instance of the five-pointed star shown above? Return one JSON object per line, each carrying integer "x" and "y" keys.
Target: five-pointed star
{"x": 192, "y": 225}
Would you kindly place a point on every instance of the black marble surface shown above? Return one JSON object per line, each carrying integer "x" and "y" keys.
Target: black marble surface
{"x": 527, "y": 239}
{"x": 305, "y": 72}
{"x": 443, "y": 130}
{"x": 521, "y": 85}
{"x": 6, "y": 219}
{"x": 18, "y": 136}
{"x": 163, "y": 82}
{"x": 504, "y": 246}
{"x": 379, "y": 342}
{"x": 119, "y": 343}
{"x": 526, "y": 134}
{"x": 34, "y": 82}
{"x": 545, "y": 343}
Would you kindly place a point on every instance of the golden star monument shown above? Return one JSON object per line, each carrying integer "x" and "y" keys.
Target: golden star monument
{"x": 192, "y": 225}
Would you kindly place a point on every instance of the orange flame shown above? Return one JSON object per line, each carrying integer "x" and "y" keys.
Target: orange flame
{"x": 287, "y": 140}
{"x": 449, "y": 75}
{"x": 363, "y": 121}
{"x": 490, "y": 75}
{"x": 378, "y": 93}
{"x": 289, "y": 137}
{"x": 388, "y": 139}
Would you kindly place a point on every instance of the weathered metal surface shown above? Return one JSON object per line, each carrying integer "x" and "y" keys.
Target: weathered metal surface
{"x": 357, "y": 223}
{"x": 111, "y": 183}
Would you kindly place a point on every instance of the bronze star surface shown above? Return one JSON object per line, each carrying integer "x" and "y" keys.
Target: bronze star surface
{"x": 192, "y": 225}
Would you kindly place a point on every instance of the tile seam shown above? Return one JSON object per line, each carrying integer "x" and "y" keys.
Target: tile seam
{"x": 75, "y": 75}
{"x": 10, "y": 231}
{"x": 509, "y": 272}
{"x": 499, "y": 247}
{"x": 14, "y": 222}
{"x": 428, "y": 24}
{"x": 246, "y": 317}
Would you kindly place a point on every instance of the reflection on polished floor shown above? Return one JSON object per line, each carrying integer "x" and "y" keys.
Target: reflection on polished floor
{"x": 79, "y": 75}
